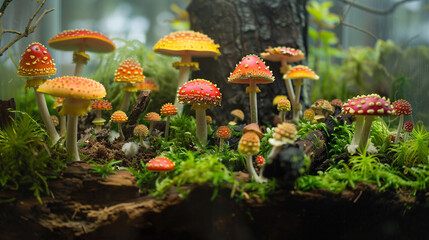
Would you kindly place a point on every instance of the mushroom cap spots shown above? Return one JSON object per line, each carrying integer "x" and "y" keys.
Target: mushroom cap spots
{"x": 277, "y": 99}
{"x": 249, "y": 143}
{"x": 408, "y": 126}
{"x": 238, "y": 114}
{"x": 200, "y": 93}
{"x": 309, "y": 115}
{"x": 223, "y": 132}
{"x": 73, "y": 87}
{"x": 187, "y": 42}
{"x": 148, "y": 84}
{"x": 371, "y": 104}
{"x": 260, "y": 161}
{"x": 284, "y": 133}
{"x": 101, "y": 104}
{"x": 160, "y": 164}
{"x": 284, "y": 105}
{"x": 253, "y": 127}
{"x": 251, "y": 67}
{"x": 36, "y": 61}
{"x": 141, "y": 130}
{"x": 401, "y": 107}
{"x": 299, "y": 72}
{"x": 278, "y": 53}
{"x": 152, "y": 117}
{"x": 168, "y": 109}
{"x": 71, "y": 40}
{"x": 129, "y": 71}
{"x": 119, "y": 117}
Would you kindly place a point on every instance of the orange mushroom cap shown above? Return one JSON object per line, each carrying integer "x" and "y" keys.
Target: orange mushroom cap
{"x": 148, "y": 84}
{"x": 36, "y": 61}
{"x": 168, "y": 109}
{"x": 101, "y": 104}
{"x": 187, "y": 42}
{"x": 152, "y": 116}
{"x": 251, "y": 67}
{"x": 71, "y": 40}
{"x": 299, "y": 72}
{"x": 129, "y": 71}
{"x": 249, "y": 144}
{"x": 201, "y": 93}
{"x": 119, "y": 117}
{"x": 141, "y": 130}
{"x": 223, "y": 132}
{"x": 160, "y": 164}
{"x": 253, "y": 127}
{"x": 73, "y": 87}
{"x": 309, "y": 115}
{"x": 278, "y": 53}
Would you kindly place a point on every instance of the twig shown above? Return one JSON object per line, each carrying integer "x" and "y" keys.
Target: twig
{"x": 360, "y": 29}
{"x": 28, "y": 29}
{"x": 375, "y": 11}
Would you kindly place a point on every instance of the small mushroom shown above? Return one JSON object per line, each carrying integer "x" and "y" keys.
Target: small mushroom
{"x": 322, "y": 110}
{"x": 55, "y": 120}
{"x": 249, "y": 145}
{"x": 148, "y": 84}
{"x": 161, "y": 165}
{"x": 223, "y": 133}
{"x": 260, "y": 161}
{"x": 119, "y": 117}
{"x": 284, "y": 133}
{"x": 129, "y": 72}
{"x": 168, "y": 110}
{"x": 309, "y": 115}
{"x": 152, "y": 117}
{"x": 202, "y": 95}
{"x": 408, "y": 128}
{"x": 141, "y": 131}
{"x": 99, "y": 105}
{"x": 283, "y": 106}
{"x": 401, "y": 108}
{"x": 238, "y": 115}
{"x": 251, "y": 70}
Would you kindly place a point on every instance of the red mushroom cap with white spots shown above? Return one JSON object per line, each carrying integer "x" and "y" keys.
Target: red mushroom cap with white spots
{"x": 71, "y": 40}
{"x": 401, "y": 107}
{"x": 200, "y": 93}
{"x": 251, "y": 67}
{"x": 223, "y": 132}
{"x": 168, "y": 109}
{"x": 119, "y": 117}
{"x": 408, "y": 126}
{"x": 36, "y": 61}
{"x": 152, "y": 117}
{"x": 371, "y": 104}
{"x": 160, "y": 164}
{"x": 260, "y": 161}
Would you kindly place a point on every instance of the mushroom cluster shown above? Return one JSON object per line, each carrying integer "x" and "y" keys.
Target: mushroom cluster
{"x": 401, "y": 108}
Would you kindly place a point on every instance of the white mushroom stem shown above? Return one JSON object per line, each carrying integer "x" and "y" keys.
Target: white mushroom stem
{"x": 251, "y": 170}
{"x": 360, "y": 120}
{"x": 167, "y": 127}
{"x": 183, "y": 78}
{"x": 406, "y": 136}
{"x": 282, "y": 115}
{"x": 221, "y": 143}
{"x": 71, "y": 138}
{"x": 80, "y": 61}
{"x": 201, "y": 126}
{"x": 398, "y": 132}
{"x": 296, "y": 110}
{"x": 145, "y": 145}
{"x": 363, "y": 141}
{"x": 44, "y": 113}
{"x": 63, "y": 125}
{"x": 121, "y": 134}
{"x": 151, "y": 126}
{"x": 253, "y": 103}
{"x": 274, "y": 151}
{"x": 127, "y": 99}
{"x": 98, "y": 126}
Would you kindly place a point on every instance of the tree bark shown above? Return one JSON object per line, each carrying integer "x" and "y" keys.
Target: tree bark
{"x": 241, "y": 28}
{"x": 138, "y": 108}
{"x": 5, "y": 115}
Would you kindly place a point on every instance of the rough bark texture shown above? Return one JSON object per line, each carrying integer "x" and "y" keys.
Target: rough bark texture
{"x": 241, "y": 28}
{"x": 138, "y": 108}
{"x": 5, "y": 115}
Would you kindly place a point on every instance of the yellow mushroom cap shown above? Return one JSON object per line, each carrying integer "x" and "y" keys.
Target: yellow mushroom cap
{"x": 73, "y": 87}
{"x": 187, "y": 42}
{"x": 284, "y": 105}
{"x": 238, "y": 114}
{"x": 141, "y": 130}
{"x": 277, "y": 99}
{"x": 299, "y": 72}
{"x": 249, "y": 144}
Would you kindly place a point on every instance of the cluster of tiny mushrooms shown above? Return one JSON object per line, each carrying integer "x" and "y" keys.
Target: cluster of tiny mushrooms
{"x": 74, "y": 94}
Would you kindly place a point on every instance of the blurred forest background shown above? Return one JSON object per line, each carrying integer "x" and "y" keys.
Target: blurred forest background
{"x": 357, "y": 47}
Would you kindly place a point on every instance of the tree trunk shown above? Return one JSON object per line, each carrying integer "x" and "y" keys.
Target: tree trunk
{"x": 5, "y": 115}
{"x": 241, "y": 28}
{"x": 138, "y": 108}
